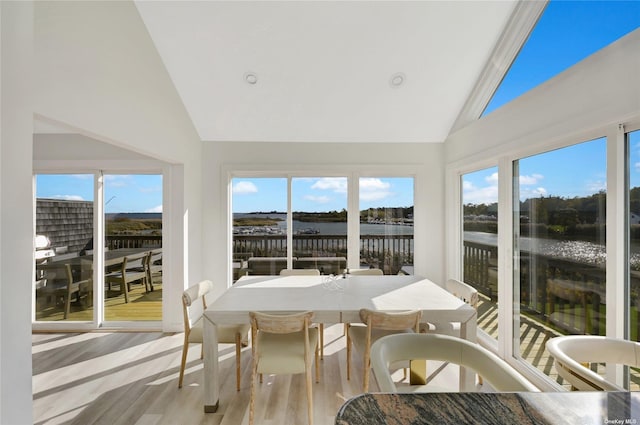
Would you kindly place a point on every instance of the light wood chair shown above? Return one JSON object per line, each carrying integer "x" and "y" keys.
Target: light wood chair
{"x": 366, "y": 272}
{"x": 299, "y": 272}
{"x": 307, "y": 272}
{"x": 401, "y": 347}
{"x": 283, "y": 344}
{"x": 231, "y": 334}
{"x": 377, "y": 325}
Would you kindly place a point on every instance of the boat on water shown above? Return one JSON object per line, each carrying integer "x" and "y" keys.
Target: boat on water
{"x": 308, "y": 231}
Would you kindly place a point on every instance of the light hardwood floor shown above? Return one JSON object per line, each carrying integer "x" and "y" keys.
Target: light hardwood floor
{"x": 132, "y": 378}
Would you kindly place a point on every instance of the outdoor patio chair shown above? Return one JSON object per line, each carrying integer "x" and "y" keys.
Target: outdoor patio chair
{"x": 124, "y": 274}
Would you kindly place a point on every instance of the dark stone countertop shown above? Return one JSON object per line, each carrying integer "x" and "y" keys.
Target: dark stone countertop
{"x": 579, "y": 408}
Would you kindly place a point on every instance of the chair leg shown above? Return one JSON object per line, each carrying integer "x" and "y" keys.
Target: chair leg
{"x": 346, "y": 329}
{"x": 321, "y": 340}
{"x": 238, "y": 347}
{"x": 365, "y": 372}
{"x": 317, "y": 366}
{"x": 252, "y": 397}
{"x": 309, "y": 391}
{"x": 183, "y": 363}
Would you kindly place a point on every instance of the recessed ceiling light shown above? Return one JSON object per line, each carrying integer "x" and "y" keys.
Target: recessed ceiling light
{"x": 251, "y": 78}
{"x": 397, "y": 80}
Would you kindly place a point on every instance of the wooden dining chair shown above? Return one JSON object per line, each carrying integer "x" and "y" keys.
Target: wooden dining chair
{"x": 376, "y": 325}
{"x": 366, "y": 272}
{"x": 283, "y": 344}
{"x": 82, "y": 288}
{"x": 227, "y": 334}
{"x": 307, "y": 272}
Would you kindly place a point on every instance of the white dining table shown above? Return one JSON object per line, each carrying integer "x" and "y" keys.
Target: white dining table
{"x": 332, "y": 301}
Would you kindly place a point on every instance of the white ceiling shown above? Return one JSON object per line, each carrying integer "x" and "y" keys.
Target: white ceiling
{"x": 324, "y": 67}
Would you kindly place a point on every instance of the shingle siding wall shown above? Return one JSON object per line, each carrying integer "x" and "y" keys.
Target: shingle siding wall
{"x": 66, "y": 223}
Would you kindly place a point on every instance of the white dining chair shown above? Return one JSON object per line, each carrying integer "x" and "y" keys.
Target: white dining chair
{"x": 400, "y": 347}
{"x": 227, "y": 334}
{"x": 573, "y": 355}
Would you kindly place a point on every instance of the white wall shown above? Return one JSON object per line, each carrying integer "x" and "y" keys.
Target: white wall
{"x": 16, "y": 224}
{"x": 98, "y": 74}
{"x": 380, "y": 159}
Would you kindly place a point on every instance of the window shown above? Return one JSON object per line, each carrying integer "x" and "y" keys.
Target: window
{"x": 559, "y": 245}
{"x": 633, "y": 143}
{"x": 312, "y": 215}
{"x": 133, "y": 247}
{"x": 386, "y": 224}
{"x": 319, "y": 208}
{"x": 566, "y": 33}
{"x": 480, "y": 243}
{"x": 259, "y": 208}
{"x": 63, "y": 287}
{"x": 66, "y": 287}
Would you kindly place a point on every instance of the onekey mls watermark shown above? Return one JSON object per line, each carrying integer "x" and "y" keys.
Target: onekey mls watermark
{"x": 625, "y": 421}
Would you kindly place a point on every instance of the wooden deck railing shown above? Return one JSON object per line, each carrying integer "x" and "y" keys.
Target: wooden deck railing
{"x": 390, "y": 251}
{"x": 133, "y": 241}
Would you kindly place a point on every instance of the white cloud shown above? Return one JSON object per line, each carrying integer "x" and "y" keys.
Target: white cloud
{"x": 335, "y": 184}
{"x": 157, "y": 209}
{"x": 492, "y": 179}
{"x": 596, "y": 186}
{"x": 467, "y": 186}
{"x": 480, "y": 195}
{"x": 531, "y": 180}
{"x": 373, "y": 189}
{"x": 243, "y": 188}
{"x": 68, "y": 197}
{"x": 533, "y": 193}
{"x": 117, "y": 180}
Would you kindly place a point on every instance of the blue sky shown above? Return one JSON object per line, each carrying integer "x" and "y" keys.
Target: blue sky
{"x": 318, "y": 194}
{"x": 123, "y": 193}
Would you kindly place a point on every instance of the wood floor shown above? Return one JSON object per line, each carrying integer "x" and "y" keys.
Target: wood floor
{"x": 132, "y": 378}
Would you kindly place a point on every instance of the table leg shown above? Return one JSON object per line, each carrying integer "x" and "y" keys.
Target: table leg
{"x": 468, "y": 331}
{"x": 211, "y": 373}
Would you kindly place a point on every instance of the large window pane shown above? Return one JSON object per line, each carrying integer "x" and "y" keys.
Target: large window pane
{"x": 319, "y": 208}
{"x": 259, "y": 208}
{"x": 633, "y": 140}
{"x": 64, "y": 234}
{"x": 133, "y": 247}
{"x": 560, "y": 255}
{"x": 386, "y": 224}
{"x": 480, "y": 243}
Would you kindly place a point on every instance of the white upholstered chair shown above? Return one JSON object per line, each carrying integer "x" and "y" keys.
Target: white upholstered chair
{"x": 192, "y": 312}
{"x": 391, "y": 349}
{"x": 283, "y": 344}
{"x": 573, "y": 353}
{"x": 376, "y": 325}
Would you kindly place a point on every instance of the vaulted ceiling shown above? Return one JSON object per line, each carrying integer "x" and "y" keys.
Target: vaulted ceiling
{"x": 336, "y": 71}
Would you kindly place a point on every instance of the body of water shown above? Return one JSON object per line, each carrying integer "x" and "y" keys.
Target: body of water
{"x": 326, "y": 228}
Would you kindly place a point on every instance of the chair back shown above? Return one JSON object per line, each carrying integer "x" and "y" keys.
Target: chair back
{"x": 391, "y": 321}
{"x": 189, "y": 298}
{"x": 366, "y": 272}
{"x": 464, "y": 291}
{"x": 299, "y": 272}
{"x": 280, "y": 323}
{"x": 398, "y": 347}
{"x": 573, "y": 353}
